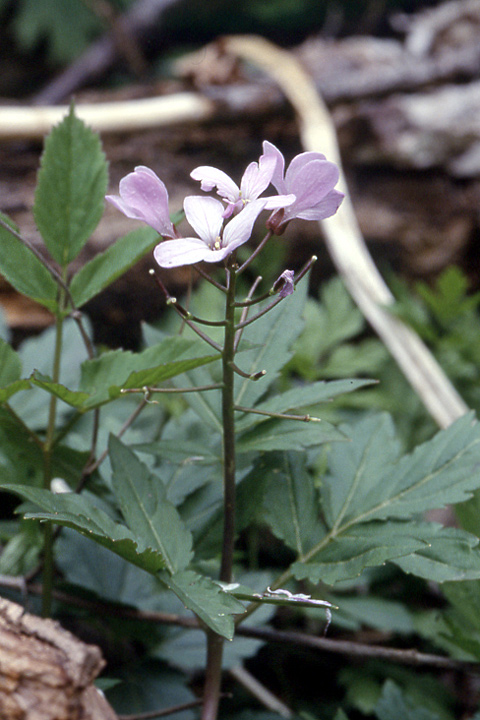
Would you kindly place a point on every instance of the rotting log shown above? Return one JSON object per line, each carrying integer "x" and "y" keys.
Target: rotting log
{"x": 45, "y": 672}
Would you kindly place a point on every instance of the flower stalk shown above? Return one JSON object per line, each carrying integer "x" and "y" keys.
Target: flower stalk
{"x": 48, "y": 446}
{"x": 215, "y": 642}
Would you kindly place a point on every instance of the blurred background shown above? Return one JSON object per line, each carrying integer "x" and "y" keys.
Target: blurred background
{"x": 401, "y": 79}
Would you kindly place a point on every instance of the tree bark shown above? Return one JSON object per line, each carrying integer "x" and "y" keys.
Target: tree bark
{"x": 45, "y": 672}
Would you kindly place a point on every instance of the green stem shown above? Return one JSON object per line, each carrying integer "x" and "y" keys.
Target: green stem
{"x": 228, "y": 420}
{"x": 215, "y": 642}
{"x": 48, "y": 565}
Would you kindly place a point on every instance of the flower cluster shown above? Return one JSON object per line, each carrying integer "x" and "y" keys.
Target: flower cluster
{"x": 305, "y": 190}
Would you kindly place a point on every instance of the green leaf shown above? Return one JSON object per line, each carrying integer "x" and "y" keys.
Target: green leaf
{"x": 328, "y": 323}
{"x": 185, "y": 648}
{"x": 460, "y": 623}
{"x": 103, "y": 378}
{"x": 23, "y": 461}
{"x": 67, "y": 27}
{"x": 80, "y": 513}
{"x": 107, "y": 266}
{"x": 146, "y": 510}
{"x": 388, "y": 616}
{"x": 10, "y": 364}
{"x": 24, "y": 271}
{"x": 393, "y": 705}
{"x": 75, "y": 398}
{"x": 450, "y": 554}
{"x": 249, "y": 492}
{"x": 206, "y": 599}
{"x": 72, "y": 182}
{"x": 108, "y": 575}
{"x": 440, "y": 554}
{"x": 10, "y": 372}
{"x": 347, "y": 555}
{"x": 301, "y": 397}
{"x": 367, "y": 480}
{"x": 7, "y": 392}
{"x": 146, "y": 686}
{"x": 270, "y": 338}
{"x": 465, "y": 598}
{"x": 291, "y": 504}
{"x": 288, "y": 435}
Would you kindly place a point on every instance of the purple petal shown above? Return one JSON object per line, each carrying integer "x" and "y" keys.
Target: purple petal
{"x": 239, "y": 230}
{"x": 257, "y": 177}
{"x": 143, "y": 196}
{"x": 312, "y": 183}
{"x": 277, "y": 180}
{"x": 183, "y": 251}
{"x": 324, "y": 209}
{"x": 278, "y": 201}
{"x": 298, "y": 163}
{"x": 205, "y": 215}
{"x": 211, "y": 177}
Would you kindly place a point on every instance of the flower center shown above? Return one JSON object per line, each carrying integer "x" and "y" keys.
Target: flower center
{"x": 218, "y": 243}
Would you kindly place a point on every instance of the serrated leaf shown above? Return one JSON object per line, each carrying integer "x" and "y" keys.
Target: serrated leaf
{"x": 450, "y": 555}
{"x": 25, "y": 272}
{"x": 109, "y": 265}
{"x": 359, "y": 547}
{"x": 103, "y": 378}
{"x": 440, "y": 472}
{"x": 185, "y": 648}
{"x": 146, "y": 510}
{"x": 271, "y": 338}
{"x": 206, "y": 599}
{"x": 291, "y": 505}
{"x": 75, "y": 398}
{"x": 368, "y": 481}
{"x": 301, "y": 397}
{"x": 72, "y": 181}
{"x": 287, "y": 435}
{"x": 81, "y": 514}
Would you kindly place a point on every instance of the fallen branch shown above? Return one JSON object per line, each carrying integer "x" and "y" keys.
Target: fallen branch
{"x": 338, "y": 647}
{"x": 22, "y": 122}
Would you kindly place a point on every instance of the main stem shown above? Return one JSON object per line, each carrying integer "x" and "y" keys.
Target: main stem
{"x": 215, "y": 642}
{"x": 48, "y": 565}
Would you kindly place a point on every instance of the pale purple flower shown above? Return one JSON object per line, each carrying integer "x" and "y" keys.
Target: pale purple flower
{"x": 311, "y": 178}
{"x": 255, "y": 180}
{"x": 205, "y": 215}
{"x": 284, "y": 284}
{"x": 143, "y": 196}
